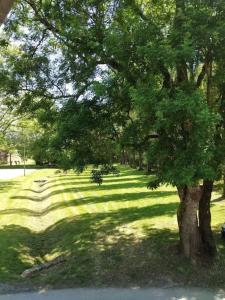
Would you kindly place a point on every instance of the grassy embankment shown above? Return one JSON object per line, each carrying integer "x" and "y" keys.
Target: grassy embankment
{"x": 119, "y": 234}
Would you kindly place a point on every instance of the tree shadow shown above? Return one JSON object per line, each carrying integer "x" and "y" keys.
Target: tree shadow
{"x": 132, "y": 214}
{"x": 98, "y": 252}
{"x": 79, "y": 188}
{"x": 16, "y": 242}
{"x": 110, "y": 183}
{"x": 6, "y": 185}
{"x": 218, "y": 187}
{"x": 218, "y": 199}
{"x": 124, "y": 173}
{"x": 102, "y": 250}
{"x": 86, "y": 201}
{"x": 113, "y": 181}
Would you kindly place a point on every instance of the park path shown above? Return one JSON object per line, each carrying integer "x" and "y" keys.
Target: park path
{"x": 120, "y": 294}
{"x": 12, "y": 173}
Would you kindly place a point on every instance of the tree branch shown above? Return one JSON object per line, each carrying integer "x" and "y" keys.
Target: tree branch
{"x": 203, "y": 72}
{"x": 201, "y": 76}
{"x": 167, "y": 82}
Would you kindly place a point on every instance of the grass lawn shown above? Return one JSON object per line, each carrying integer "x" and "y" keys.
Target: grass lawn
{"x": 118, "y": 234}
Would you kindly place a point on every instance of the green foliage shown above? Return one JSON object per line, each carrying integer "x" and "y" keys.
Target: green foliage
{"x": 96, "y": 176}
{"x": 186, "y": 144}
{"x": 109, "y": 169}
{"x": 154, "y": 184}
{"x": 112, "y": 74}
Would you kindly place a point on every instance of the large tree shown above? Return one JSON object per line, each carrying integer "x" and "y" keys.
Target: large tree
{"x": 165, "y": 56}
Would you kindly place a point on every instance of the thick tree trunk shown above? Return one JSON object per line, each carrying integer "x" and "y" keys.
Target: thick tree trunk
{"x": 190, "y": 239}
{"x": 5, "y": 6}
{"x": 205, "y": 219}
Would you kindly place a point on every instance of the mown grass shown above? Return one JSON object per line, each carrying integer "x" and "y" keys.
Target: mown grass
{"x": 118, "y": 234}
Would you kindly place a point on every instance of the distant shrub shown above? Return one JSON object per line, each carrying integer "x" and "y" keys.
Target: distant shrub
{"x": 109, "y": 169}
{"x": 96, "y": 176}
{"x": 58, "y": 172}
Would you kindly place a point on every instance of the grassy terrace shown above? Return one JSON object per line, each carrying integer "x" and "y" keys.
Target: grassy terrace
{"x": 119, "y": 234}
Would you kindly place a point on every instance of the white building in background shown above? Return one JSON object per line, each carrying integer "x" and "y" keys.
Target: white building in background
{"x": 14, "y": 159}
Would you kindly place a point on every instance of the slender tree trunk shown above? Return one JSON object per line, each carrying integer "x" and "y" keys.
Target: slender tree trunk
{"x": 122, "y": 157}
{"x": 10, "y": 159}
{"x": 140, "y": 160}
{"x": 132, "y": 159}
{"x": 223, "y": 194}
{"x": 126, "y": 156}
{"x": 129, "y": 159}
{"x": 190, "y": 239}
{"x": 205, "y": 219}
{"x": 134, "y": 165}
{"x": 148, "y": 168}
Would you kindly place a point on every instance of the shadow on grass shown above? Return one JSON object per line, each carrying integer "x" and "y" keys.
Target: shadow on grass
{"x": 218, "y": 187}
{"x": 124, "y": 175}
{"x": 84, "y": 188}
{"x": 87, "y": 185}
{"x": 90, "y": 200}
{"x": 6, "y": 185}
{"x": 102, "y": 250}
{"x": 127, "y": 214}
{"x": 219, "y": 199}
{"x": 98, "y": 252}
{"x": 106, "y": 183}
{"x": 15, "y": 242}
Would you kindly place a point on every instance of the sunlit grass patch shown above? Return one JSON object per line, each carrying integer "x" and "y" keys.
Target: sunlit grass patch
{"x": 119, "y": 233}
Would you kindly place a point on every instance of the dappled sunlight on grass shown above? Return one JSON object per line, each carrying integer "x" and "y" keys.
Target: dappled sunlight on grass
{"x": 120, "y": 233}
{"x": 67, "y": 215}
{"x": 5, "y": 185}
{"x": 57, "y": 199}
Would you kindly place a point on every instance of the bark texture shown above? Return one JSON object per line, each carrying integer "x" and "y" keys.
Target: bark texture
{"x": 208, "y": 241}
{"x": 5, "y": 7}
{"x": 190, "y": 238}
{"x": 194, "y": 220}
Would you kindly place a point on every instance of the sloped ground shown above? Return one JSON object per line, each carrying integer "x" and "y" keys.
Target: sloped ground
{"x": 119, "y": 234}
